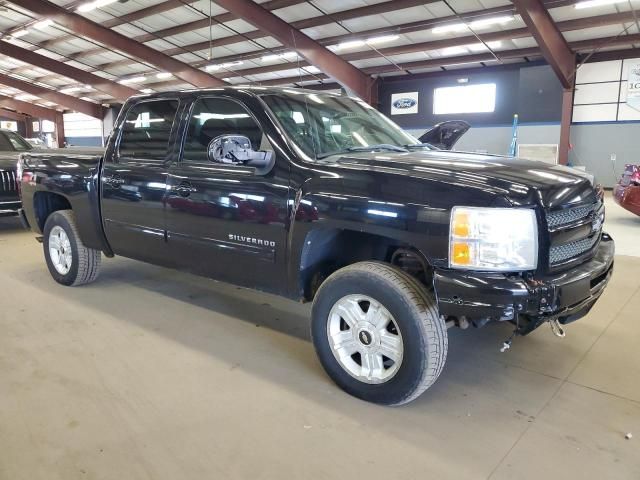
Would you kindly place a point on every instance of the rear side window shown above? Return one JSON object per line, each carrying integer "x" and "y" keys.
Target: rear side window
{"x": 146, "y": 130}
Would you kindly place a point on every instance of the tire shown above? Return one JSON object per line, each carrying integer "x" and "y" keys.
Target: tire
{"x": 413, "y": 323}
{"x": 84, "y": 263}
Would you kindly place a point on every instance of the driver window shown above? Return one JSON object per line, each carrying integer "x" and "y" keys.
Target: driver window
{"x": 213, "y": 117}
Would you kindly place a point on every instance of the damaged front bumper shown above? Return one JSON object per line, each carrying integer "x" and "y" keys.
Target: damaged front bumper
{"x": 528, "y": 302}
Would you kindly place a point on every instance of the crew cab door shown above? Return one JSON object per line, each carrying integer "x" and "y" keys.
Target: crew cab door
{"x": 226, "y": 219}
{"x": 134, "y": 179}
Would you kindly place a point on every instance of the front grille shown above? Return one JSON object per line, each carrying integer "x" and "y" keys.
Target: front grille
{"x": 570, "y": 215}
{"x": 8, "y": 182}
{"x": 569, "y": 239}
{"x": 562, "y": 253}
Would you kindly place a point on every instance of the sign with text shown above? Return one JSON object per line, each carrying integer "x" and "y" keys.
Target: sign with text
{"x": 404, "y": 103}
{"x": 633, "y": 86}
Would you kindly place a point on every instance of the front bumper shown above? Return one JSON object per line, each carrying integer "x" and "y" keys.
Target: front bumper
{"x": 9, "y": 207}
{"x": 528, "y": 302}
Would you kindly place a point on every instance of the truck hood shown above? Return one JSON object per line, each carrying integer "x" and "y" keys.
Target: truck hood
{"x": 521, "y": 182}
{"x": 445, "y": 135}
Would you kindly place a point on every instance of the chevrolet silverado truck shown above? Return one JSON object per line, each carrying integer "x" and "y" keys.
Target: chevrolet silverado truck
{"x": 11, "y": 145}
{"x": 319, "y": 197}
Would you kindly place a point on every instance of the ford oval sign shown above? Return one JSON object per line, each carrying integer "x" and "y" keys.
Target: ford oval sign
{"x": 403, "y": 103}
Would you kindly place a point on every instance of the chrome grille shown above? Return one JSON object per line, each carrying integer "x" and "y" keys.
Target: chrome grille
{"x": 570, "y": 215}
{"x": 8, "y": 181}
{"x": 561, "y": 253}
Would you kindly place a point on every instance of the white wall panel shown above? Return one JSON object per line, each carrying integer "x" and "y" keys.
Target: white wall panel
{"x": 627, "y": 113}
{"x": 626, "y": 64}
{"x": 596, "y": 93}
{"x": 599, "y": 72}
{"x": 595, "y": 113}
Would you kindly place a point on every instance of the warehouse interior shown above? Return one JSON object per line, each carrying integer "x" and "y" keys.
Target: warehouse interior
{"x": 154, "y": 373}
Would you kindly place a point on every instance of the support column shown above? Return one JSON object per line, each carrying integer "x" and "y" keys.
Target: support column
{"x": 28, "y": 127}
{"x": 60, "y": 129}
{"x": 565, "y": 126}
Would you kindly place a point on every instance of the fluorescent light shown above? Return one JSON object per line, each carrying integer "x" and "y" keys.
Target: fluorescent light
{"x": 70, "y": 89}
{"x": 455, "y": 27}
{"x": 488, "y": 22}
{"x": 270, "y": 58}
{"x": 476, "y": 24}
{"x": 163, "y": 75}
{"x": 25, "y": 97}
{"x": 147, "y": 90}
{"x": 87, "y": 7}
{"x": 43, "y": 24}
{"x": 19, "y": 33}
{"x": 213, "y": 68}
{"x": 454, "y": 51}
{"x": 480, "y": 47}
{"x": 350, "y": 44}
{"x": 132, "y": 80}
{"x": 382, "y": 39}
{"x": 596, "y": 3}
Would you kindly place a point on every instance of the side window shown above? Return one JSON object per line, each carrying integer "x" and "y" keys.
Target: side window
{"x": 213, "y": 117}
{"x": 146, "y": 130}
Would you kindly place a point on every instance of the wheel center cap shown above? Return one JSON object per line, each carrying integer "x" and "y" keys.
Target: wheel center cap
{"x": 365, "y": 337}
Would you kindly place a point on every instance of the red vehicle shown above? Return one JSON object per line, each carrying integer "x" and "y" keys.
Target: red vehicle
{"x": 627, "y": 192}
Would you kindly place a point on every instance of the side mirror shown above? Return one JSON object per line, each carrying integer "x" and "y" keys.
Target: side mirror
{"x": 237, "y": 150}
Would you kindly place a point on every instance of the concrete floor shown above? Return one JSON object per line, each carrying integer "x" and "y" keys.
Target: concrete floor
{"x": 152, "y": 374}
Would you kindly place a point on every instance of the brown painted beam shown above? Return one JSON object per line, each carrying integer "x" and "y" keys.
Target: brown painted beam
{"x": 120, "y": 92}
{"x": 565, "y": 126}
{"x": 327, "y": 61}
{"x": 28, "y": 108}
{"x": 18, "y": 117}
{"x": 554, "y": 47}
{"x": 66, "y": 101}
{"x": 86, "y": 28}
{"x": 568, "y": 25}
{"x": 59, "y": 122}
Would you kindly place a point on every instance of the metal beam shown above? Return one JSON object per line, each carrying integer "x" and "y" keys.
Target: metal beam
{"x": 119, "y": 92}
{"x": 4, "y": 113}
{"x": 565, "y": 126}
{"x": 28, "y": 108}
{"x": 568, "y": 25}
{"x": 86, "y": 28}
{"x": 327, "y": 61}
{"x": 554, "y": 47}
{"x": 67, "y": 101}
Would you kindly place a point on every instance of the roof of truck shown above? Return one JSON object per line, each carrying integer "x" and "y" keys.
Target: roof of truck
{"x": 246, "y": 89}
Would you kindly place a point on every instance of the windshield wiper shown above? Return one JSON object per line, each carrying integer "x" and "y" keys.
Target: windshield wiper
{"x": 382, "y": 146}
{"x": 420, "y": 145}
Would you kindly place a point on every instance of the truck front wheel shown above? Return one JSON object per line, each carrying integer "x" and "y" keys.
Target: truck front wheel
{"x": 378, "y": 333}
{"x": 69, "y": 261}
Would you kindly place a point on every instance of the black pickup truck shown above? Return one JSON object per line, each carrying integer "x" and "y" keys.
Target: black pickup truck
{"x": 319, "y": 197}
{"x": 11, "y": 145}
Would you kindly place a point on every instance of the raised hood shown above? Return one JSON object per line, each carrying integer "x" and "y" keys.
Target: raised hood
{"x": 445, "y": 135}
{"x": 521, "y": 182}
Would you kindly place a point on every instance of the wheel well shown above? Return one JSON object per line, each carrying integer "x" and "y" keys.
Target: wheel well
{"x": 328, "y": 250}
{"x": 45, "y": 203}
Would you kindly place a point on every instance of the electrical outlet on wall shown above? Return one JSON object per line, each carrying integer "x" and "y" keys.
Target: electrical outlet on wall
{"x": 613, "y": 158}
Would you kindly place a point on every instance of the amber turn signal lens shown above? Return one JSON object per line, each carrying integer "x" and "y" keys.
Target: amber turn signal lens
{"x": 461, "y": 224}
{"x": 461, "y": 253}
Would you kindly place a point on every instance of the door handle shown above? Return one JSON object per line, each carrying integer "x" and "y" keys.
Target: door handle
{"x": 113, "y": 181}
{"x": 185, "y": 189}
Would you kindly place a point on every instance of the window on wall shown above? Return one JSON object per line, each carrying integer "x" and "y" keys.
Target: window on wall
{"x": 479, "y": 98}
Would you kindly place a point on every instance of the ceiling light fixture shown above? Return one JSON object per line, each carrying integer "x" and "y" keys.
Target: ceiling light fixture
{"x": 43, "y": 24}
{"x": 350, "y": 44}
{"x": 164, "y": 75}
{"x": 213, "y": 68}
{"x": 19, "y": 33}
{"x": 286, "y": 55}
{"x": 382, "y": 39}
{"x": 475, "y": 25}
{"x": 126, "y": 81}
{"x": 596, "y": 3}
{"x": 88, "y": 7}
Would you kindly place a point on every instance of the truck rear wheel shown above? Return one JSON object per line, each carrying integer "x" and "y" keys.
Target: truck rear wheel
{"x": 69, "y": 261}
{"x": 378, "y": 333}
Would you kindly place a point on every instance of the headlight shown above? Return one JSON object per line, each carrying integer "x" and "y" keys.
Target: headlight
{"x": 497, "y": 239}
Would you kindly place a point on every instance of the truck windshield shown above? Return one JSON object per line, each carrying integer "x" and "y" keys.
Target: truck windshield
{"x": 325, "y": 124}
{"x": 10, "y": 141}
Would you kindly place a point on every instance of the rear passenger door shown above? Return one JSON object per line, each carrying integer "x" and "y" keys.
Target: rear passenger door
{"x": 227, "y": 220}
{"x": 134, "y": 180}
